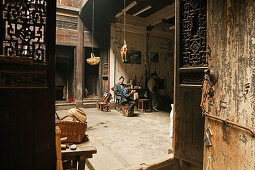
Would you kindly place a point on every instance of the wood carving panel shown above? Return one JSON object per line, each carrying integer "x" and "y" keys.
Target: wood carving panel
{"x": 24, "y": 32}
{"x": 193, "y": 33}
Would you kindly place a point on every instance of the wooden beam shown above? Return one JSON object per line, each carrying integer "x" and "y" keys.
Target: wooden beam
{"x": 143, "y": 10}
{"x": 165, "y": 13}
{"x": 126, "y": 9}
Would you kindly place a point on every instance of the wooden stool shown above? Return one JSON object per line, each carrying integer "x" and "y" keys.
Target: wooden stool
{"x": 124, "y": 108}
{"x": 146, "y": 103}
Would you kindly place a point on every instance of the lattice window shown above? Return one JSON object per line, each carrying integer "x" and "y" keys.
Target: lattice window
{"x": 193, "y": 33}
{"x": 24, "y": 29}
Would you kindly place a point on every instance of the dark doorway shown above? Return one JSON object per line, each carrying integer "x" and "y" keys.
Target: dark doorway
{"x": 64, "y": 72}
{"x": 91, "y": 73}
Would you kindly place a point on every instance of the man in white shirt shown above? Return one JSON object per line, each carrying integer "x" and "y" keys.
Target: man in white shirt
{"x": 153, "y": 89}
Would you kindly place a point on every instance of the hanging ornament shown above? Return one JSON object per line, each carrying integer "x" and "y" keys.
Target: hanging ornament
{"x": 123, "y": 50}
{"x": 93, "y": 60}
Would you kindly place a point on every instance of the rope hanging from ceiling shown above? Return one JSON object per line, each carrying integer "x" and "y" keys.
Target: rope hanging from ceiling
{"x": 93, "y": 60}
{"x": 123, "y": 50}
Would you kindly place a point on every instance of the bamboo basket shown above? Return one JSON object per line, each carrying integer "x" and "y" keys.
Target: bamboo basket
{"x": 73, "y": 130}
{"x": 93, "y": 60}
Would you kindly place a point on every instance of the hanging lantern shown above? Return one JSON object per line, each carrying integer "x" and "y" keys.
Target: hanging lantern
{"x": 93, "y": 60}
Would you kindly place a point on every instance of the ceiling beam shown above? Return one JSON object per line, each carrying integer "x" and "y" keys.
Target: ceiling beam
{"x": 126, "y": 9}
{"x": 165, "y": 13}
{"x": 143, "y": 10}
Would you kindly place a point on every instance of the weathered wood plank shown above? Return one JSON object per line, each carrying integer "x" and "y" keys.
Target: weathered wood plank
{"x": 231, "y": 40}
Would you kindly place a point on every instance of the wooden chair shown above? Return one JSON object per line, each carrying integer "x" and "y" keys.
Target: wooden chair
{"x": 99, "y": 101}
{"x": 103, "y": 104}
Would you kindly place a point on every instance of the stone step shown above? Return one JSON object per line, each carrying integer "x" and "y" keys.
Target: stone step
{"x": 90, "y": 100}
{"x": 64, "y": 106}
{"x": 89, "y": 105}
{"x": 92, "y": 97}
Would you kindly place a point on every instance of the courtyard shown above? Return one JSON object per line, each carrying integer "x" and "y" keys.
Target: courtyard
{"x": 125, "y": 142}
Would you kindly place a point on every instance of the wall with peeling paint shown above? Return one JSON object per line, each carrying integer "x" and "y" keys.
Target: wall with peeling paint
{"x": 232, "y": 56}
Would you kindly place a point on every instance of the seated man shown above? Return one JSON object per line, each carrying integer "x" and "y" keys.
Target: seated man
{"x": 119, "y": 87}
{"x": 127, "y": 98}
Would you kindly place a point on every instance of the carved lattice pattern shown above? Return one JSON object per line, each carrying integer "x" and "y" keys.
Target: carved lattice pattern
{"x": 24, "y": 24}
{"x": 193, "y": 33}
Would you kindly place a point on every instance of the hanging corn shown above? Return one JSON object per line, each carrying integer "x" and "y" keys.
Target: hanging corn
{"x": 123, "y": 50}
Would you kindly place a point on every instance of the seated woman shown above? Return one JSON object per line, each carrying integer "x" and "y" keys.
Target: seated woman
{"x": 126, "y": 98}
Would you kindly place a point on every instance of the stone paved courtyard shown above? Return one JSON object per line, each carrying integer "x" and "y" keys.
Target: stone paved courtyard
{"x": 124, "y": 142}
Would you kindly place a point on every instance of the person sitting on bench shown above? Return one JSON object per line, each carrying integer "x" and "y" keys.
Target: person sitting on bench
{"x": 126, "y": 98}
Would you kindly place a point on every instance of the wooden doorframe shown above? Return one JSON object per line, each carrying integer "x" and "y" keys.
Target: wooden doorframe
{"x": 181, "y": 139}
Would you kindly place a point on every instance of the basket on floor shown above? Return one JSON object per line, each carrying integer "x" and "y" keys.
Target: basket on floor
{"x": 73, "y": 130}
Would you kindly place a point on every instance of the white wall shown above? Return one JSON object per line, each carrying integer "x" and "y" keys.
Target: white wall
{"x": 136, "y": 40}
{"x": 160, "y": 40}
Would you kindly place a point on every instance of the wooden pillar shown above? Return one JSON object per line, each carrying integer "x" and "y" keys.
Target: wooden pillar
{"x": 79, "y": 65}
{"x": 100, "y": 81}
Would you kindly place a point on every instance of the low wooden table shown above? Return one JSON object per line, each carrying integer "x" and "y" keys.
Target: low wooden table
{"x": 84, "y": 150}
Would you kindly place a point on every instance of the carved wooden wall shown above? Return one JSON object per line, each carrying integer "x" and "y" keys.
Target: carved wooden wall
{"x": 27, "y": 62}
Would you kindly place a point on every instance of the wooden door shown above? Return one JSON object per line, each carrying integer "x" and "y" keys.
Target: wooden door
{"x": 231, "y": 41}
{"x": 190, "y": 62}
{"x": 27, "y": 62}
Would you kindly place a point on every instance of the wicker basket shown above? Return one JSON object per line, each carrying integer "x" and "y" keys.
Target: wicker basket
{"x": 93, "y": 60}
{"x": 74, "y": 131}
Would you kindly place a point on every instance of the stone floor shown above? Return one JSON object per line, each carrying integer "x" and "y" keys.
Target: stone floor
{"x": 124, "y": 142}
